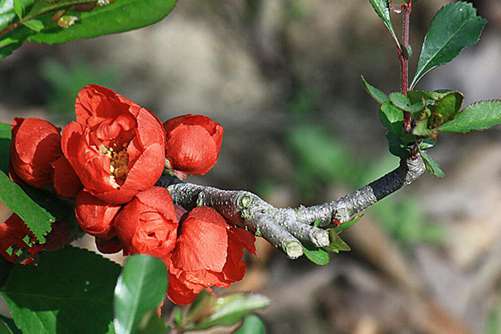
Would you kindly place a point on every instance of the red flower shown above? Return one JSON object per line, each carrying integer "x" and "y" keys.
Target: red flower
{"x": 35, "y": 145}
{"x": 192, "y": 143}
{"x": 115, "y": 146}
{"x": 208, "y": 253}
{"x": 95, "y": 216}
{"x": 17, "y": 243}
{"x": 148, "y": 223}
{"x": 66, "y": 183}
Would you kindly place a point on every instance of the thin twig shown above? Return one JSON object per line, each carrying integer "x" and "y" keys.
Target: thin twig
{"x": 403, "y": 54}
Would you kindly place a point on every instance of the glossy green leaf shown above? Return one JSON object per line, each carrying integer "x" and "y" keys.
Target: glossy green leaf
{"x": 318, "y": 256}
{"x": 252, "y": 324}
{"x": 337, "y": 244}
{"x": 7, "y": 13}
{"x": 375, "y": 93}
{"x": 139, "y": 291}
{"x": 382, "y": 9}
{"x": 431, "y": 165}
{"x": 37, "y": 219}
{"x": 21, "y": 7}
{"x": 455, "y": 27}
{"x": 118, "y": 16}
{"x": 228, "y": 310}
{"x": 69, "y": 292}
{"x": 478, "y": 116}
{"x": 35, "y": 25}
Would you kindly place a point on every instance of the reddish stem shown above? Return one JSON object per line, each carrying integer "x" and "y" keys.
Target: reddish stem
{"x": 9, "y": 28}
{"x": 403, "y": 55}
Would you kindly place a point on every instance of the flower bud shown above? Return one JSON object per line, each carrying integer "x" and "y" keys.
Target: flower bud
{"x": 192, "y": 143}
{"x": 35, "y": 145}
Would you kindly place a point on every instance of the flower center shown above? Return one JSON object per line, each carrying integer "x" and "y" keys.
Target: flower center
{"x": 119, "y": 162}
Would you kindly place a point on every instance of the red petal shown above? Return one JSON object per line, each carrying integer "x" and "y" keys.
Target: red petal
{"x": 35, "y": 144}
{"x": 159, "y": 199}
{"x": 66, "y": 182}
{"x": 95, "y": 103}
{"x": 179, "y": 293}
{"x": 95, "y": 216}
{"x": 149, "y": 129}
{"x": 146, "y": 170}
{"x": 203, "y": 242}
{"x": 191, "y": 149}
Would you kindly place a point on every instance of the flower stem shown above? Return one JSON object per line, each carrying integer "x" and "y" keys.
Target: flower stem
{"x": 403, "y": 55}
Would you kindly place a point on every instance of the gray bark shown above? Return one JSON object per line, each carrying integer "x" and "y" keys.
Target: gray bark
{"x": 290, "y": 228}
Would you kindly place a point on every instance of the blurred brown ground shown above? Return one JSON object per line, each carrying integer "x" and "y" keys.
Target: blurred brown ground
{"x": 245, "y": 63}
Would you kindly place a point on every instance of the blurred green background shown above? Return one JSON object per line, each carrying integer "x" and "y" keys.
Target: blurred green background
{"x": 283, "y": 77}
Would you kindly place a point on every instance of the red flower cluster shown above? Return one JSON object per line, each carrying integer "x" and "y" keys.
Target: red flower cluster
{"x": 110, "y": 159}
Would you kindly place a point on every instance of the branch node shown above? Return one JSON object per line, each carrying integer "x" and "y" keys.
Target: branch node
{"x": 293, "y": 249}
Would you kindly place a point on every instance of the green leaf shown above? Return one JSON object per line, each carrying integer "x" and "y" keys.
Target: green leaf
{"x": 5, "y": 133}
{"x": 346, "y": 225}
{"x": 153, "y": 325}
{"x": 337, "y": 244}
{"x": 7, "y": 13}
{"x": 382, "y": 9}
{"x": 231, "y": 309}
{"x": 402, "y": 102}
{"x": 21, "y": 7}
{"x": 446, "y": 108}
{"x": 139, "y": 291}
{"x": 478, "y": 116}
{"x": 391, "y": 113}
{"x": 455, "y": 27}
{"x": 44, "y": 6}
{"x": 395, "y": 145}
{"x": 391, "y": 117}
{"x": 13, "y": 41}
{"x": 375, "y": 93}
{"x": 4, "y": 329}
{"x": 318, "y": 256}
{"x": 35, "y": 25}
{"x": 431, "y": 165}
{"x": 252, "y": 325}
{"x": 69, "y": 292}
{"x": 119, "y": 16}
{"x": 10, "y": 324}
{"x": 37, "y": 219}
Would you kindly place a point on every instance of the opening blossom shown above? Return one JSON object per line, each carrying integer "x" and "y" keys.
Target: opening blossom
{"x": 115, "y": 146}
{"x": 209, "y": 252}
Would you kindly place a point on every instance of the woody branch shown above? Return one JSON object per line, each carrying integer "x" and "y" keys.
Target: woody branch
{"x": 289, "y": 228}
